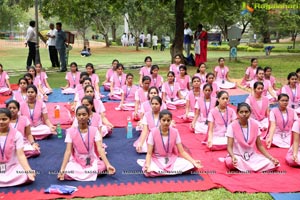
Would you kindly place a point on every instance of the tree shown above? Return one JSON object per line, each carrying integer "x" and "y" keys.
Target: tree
{"x": 177, "y": 46}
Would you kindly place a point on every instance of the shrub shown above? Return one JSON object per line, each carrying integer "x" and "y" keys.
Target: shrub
{"x": 256, "y": 45}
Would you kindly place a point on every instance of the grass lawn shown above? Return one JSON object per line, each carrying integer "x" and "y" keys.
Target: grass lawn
{"x": 14, "y": 59}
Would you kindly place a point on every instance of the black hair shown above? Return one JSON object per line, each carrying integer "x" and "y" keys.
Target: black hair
{"x": 74, "y": 63}
{"x": 198, "y": 70}
{"x": 90, "y": 100}
{"x": 157, "y": 98}
{"x": 32, "y": 23}
{"x": 267, "y": 68}
{"x": 290, "y": 75}
{"x": 83, "y": 74}
{"x": 129, "y": 74}
{"x": 152, "y": 87}
{"x": 257, "y": 83}
{"x": 6, "y": 112}
{"x": 120, "y": 65}
{"x": 219, "y": 96}
{"x": 146, "y": 78}
{"x": 59, "y": 24}
{"x": 297, "y": 70}
{"x": 195, "y": 77}
{"x": 31, "y": 67}
{"x": 1, "y": 65}
{"x": 259, "y": 69}
{"x": 243, "y": 104}
{"x": 91, "y": 66}
{"x": 221, "y": 58}
{"x": 14, "y": 102}
{"x": 82, "y": 107}
{"x": 33, "y": 87}
{"x": 171, "y": 72}
{"x": 252, "y": 60}
{"x": 209, "y": 74}
{"x": 283, "y": 95}
{"x": 208, "y": 85}
{"x": 28, "y": 75}
{"x": 164, "y": 112}
{"x": 153, "y": 67}
{"x": 88, "y": 86}
{"x": 86, "y": 78}
{"x": 148, "y": 57}
{"x": 183, "y": 67}
{"x": 22, "y": 79}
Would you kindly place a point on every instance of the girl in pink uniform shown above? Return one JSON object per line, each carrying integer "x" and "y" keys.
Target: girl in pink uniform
{"x": 164, "y": 144}
{"x": 171, "y": 93}
{"x": 37, "y": 83}
{"x": 183, "y": 79}
{"x": 243, "y": 140}
{"x": 22, "y": 124}
{"x": 292, "y": 89}
{"x": 80, "y": 92}
{"x": 156, "y": 79}
{"x": 14, "y": 167}
{"x": 221, "y": 74}
{"x": 110, "y": 72}
{"x": 250, "y": 73}
{"x": 36, "y": 111}
{"x": 145, "y": 70}
{"x": 42, "y": 76}
{"x": 150, "y": 120}
{"x": 293, "y": 155}
{"x": 269, "y": 77}
{"x": 192, "y": 98}
{"x": 268, "y": 89}
{"x": 260, "y": 106}
{"x": 94, "y": 77}
{"x": 218, "y": 120}
{"x": 29, "y": 78}
{"x": 281, "y": 119}
{"x": 127, "y": 94}
{"x": 5, "y": 88}
{"x": 80, "y": 161}
{"x": 73, "y": 79}
{"x": 202, "y": 108}
{"x": 201, "y": 73}
{"x": 178, "y": 61}
{"x": 20, "y": 95}
{"x": 210, "y": 79}
{"x": 117, "y": 81}
{"x": 140, "y": 97}
{"x": 100, "y": 109}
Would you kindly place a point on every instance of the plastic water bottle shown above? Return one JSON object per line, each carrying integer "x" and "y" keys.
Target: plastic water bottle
{"x": 57, "y": 112}
{"x": 59, "y": 131}
{"x": 129, "y": 129}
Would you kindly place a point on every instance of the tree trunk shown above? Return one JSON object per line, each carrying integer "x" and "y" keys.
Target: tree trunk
{"x": 294, "y": 39}
{"x": 137, "y": 43}
{"x": 177, "y": 45}
{"x": 106, "y": 40}
{"x": 113, "y": 31}
{"x": 266, "y": 37}
{"x": 277, "y": 36}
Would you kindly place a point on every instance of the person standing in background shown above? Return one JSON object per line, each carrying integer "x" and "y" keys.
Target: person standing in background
{"x": 188, "y": 38}
{"x": 149, "y": 40}
{"x": 154, "y": 41}
{"x": 200, "y": 37}
{"x": 30, "y": 41}
{"x": 51, "y": 46}
{"x": 60, "y": 39}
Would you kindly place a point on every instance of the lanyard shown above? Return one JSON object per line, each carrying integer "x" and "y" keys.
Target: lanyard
{"x": 156, "y": 125}
{"x": 128, "y": 91}
{"x": 168, "y": 145}
{"x": 284, "y": 123}
{"x": 31, "y": 114}
{"x": 172, "y": 90}
{"x": 120, "y": 80}
{"x": 223, "y": 73}
{"x": 3, "y": 149}
{"x": 207, "y": 110}
{"x": 225, "y": 121}
{"x": 294, "y": 94}
{"x": 246, "y": 138}
{"x": 16, "y": 124}
{"x": 86, "y": 146}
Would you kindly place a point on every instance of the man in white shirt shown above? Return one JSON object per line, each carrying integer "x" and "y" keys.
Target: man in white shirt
{"x": 30, "y": 41}
{"x": 154, "y": 41}
{"x": 124, "y": 40}
{"x": 188, "y": 38}
{"x": 142, "y": 39}
{"x": 51, "y": 46}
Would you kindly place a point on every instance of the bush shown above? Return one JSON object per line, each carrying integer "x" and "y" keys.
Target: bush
{"x": 251, "y": 49}
{"x": 256, "y": 45}
{"x": 218, "y": 48}
{"x": 242, "y": 48}
{"x": 293, "y": 50}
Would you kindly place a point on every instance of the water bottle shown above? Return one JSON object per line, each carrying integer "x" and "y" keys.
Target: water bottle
{"x": 129, "y": 129}
{"x": 57, "y": 112}
{"x": 59, "y": 131}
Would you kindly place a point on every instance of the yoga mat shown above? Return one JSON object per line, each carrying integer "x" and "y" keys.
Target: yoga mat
{"x": 65, "y": 114}
{"x": 285, "y": 196}
{"x": 127, "y": 180}
{"x": 57, "y": 96}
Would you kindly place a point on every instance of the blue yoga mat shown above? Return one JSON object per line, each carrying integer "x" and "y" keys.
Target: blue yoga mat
{"x": 56, "y": 96}
{"x": 236, "y": 99}
{"x": 285, "y": 196}
{"x": 120, "y": 152}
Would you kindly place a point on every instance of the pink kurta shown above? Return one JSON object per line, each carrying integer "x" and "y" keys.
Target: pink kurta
{"x": 83, "y": 147}
{"x": 259, "y": 110}
{"x": 244, "y": 148}
{"x": 14, "y": 173}
{"x": 145, "y": 71}
{"x": 284, "y": 123}
{"x": 294, "y": 95}
{"x": 118, "y": 83}
{"x": 289, "y": 156}
{"x": 42, "y": 79}
{"x": 73, "y": 81}
{"x": 251, "y": 72}
{"x": 3, "y": 87}
{"x": 183, "y": 84}
{"x": 202, "y": 78}
{"x": 38, "y": 129}
{"x": 129, "y": 95}
{"x": 221, "y": 79}
{"x": 165, "y": 161}
{"x": 21, "y": 123}
{"x": 171, "y": 92}
{"x": 175, "y": 68}
{"x": 201, "y": 125}
{"x": 95, "y": 80}
{"x": 146, "y": 107}
{"x": 157, "y": 81}
{"x": 17, "y": 95}
{"x": 108, "y": 75}
{"x": 221, "y": 122}
{"x": 215, "y": 89}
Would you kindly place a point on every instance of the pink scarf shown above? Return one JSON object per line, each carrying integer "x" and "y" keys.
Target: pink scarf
{"x": 36, "y": 117}
{"x": 283, "y": 125}
{"x": 9, "y": 146}
{"x": 260, "y": 114}
{"x": 252, "y": 131}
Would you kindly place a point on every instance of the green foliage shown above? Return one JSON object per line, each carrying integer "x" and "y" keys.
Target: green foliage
{"x": 256, "y": 45}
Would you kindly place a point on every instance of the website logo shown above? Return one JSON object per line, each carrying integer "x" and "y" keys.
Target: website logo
{"x": 246, "y": 9}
